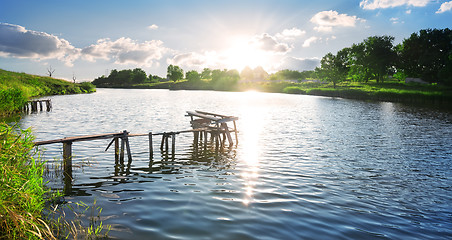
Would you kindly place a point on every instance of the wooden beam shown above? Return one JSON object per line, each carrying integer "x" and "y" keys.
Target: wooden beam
{"x": 67, "y": 158}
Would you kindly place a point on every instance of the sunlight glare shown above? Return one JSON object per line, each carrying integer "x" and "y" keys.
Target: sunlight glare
{"x": 244, "y": 52}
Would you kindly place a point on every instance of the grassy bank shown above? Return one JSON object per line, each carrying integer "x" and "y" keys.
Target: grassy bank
{"x": 27, "y": 209}
{"x": 17, "y": 88}
{"x": 21, "y": 188}
{"x": 391, "y": 91}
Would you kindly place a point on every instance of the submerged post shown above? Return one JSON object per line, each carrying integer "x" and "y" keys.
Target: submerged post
{"x": 67, "y": 158}
{"x": 151, "y": 151}
{"x": 173, "y": 144}
{"x": 116, "y": 149}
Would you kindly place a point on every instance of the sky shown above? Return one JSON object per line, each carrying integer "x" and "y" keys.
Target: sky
{"x": 84, "y": 40}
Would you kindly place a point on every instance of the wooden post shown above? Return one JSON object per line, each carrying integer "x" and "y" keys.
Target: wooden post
{"x": 67, "y": 158}
{"x": 228, "y": 134}
{"x": 151, "y": 151}
{"x": 48, "y": 105}
{"x": 166, "y": 143}
{"x": 126, "y": 139}
{"x": 173, "y": 144}
{"x": 163, "y": 142}
{"x": 121, "y": 153}
{"x": 40, "y": 106}
{"x": 116, "y": 150}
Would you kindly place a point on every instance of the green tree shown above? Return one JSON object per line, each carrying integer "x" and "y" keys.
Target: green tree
{"x": 428, "y": 55}
{"x": 174, "y": 73}
{"x": 138, "y": 76}
{"x": 206, "y": 73}
{"x": 334, "y": 68}
{"x": 247, "y": 74}
{"x": 193, "y": 76}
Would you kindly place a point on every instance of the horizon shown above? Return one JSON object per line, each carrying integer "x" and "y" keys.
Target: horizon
{"x": 89, "y": 39}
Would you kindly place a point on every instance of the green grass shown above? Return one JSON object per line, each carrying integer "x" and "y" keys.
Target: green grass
{"x": 25, "y": 212}
{"x": 17, "y": 88}
{"x": 21, "y": 188}
{"x": 391, "y": 91}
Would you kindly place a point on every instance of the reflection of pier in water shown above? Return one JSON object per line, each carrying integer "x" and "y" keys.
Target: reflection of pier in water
{"x": 204, "y": 148}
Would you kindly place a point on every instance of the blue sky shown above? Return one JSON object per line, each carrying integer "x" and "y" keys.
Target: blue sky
{"x": 87, "y": 39}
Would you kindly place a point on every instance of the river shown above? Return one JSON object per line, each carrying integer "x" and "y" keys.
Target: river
{"x": 305, "y": 167}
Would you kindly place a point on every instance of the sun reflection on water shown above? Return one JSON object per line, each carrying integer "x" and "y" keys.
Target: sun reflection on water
{"x": 252, "y": 120}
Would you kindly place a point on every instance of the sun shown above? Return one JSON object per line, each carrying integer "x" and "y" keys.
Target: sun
{"x": 244, "y": 52}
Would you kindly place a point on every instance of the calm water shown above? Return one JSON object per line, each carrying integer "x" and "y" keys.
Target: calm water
{"x": 305, "y": 168}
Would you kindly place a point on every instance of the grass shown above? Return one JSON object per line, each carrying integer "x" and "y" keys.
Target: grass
{"x": 21, "y": 188}
{"x": 24, "y": 209}
{"x": 391, "y": 91}
{"x": 17, "y": 88}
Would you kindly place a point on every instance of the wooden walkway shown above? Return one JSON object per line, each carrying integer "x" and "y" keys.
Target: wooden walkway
{"x": 33, "y": 105}
{"x": 202, "y": 123}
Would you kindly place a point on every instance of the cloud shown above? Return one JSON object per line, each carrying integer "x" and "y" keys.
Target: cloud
{"x": 374, "y": 4}
{"x": 326, "y": 20}
{"x": 126, "y": 51}
{"x": 290, "y": 34}
{"x": 299, "y": 64}
{"x": 309, "y": 41}
{"x": 18, "y": 42}
{"x": 268, "y": 43}
{"x": 189, "y": 59}
{"x": 153, "y": 27}
{"x": 447, "y": 6}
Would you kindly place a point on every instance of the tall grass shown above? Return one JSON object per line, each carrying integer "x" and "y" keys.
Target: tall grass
{"x": 21, "y": 187}
{"x": 25, "y": 212}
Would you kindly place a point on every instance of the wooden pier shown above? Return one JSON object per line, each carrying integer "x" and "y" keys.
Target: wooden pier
{"x": 32, "y": 106}
{"x": 202, "y": 124}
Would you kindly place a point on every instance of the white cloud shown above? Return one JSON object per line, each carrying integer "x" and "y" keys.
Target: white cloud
{"x": 447, "y": 6}
{"x": 153, "y": 27}
{"x": 326, "y": 20}
{"x": 126, "y": 51}
{"x": 269, "y": 43}
{"x": 194, "y": 60}
{"x": 395, "y": 20}
{"x": 290, "y": 34}
{"x": 309, "y": 41}
{"x": 18, "y": 42}
{"x": 374, "y": 4}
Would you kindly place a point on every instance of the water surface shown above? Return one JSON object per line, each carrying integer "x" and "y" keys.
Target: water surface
{"x": 305, "y": 167}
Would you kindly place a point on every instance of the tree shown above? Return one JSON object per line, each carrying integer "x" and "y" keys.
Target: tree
{"x": 328, "y": 70}
{"x": 380, "y": 56}
{"x": 206, "y": 73}
{"x": 427, "y": 55}
{"x": 193, "y": 76}
{"x": 138, "y": 76}
{"x": 174, "y": 73}
{"x": 50, "y": 71}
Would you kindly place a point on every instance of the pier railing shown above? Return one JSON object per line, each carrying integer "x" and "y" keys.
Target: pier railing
{"x": 202, "y": 123}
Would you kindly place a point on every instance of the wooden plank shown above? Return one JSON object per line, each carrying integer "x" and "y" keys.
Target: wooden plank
{"x": 78, "y": 138}
{"x": 191, "y": 113}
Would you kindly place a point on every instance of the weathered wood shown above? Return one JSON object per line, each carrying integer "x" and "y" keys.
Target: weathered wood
{"x": 67, "y": 158}
{"x": 126, "y": 139}
{"x": 79, "y": 138}
{"x": 151, "y": 151}
{"x": 173, "y": 144}
{"x": 121, "y": 153}
{"x": 116, "y": 139}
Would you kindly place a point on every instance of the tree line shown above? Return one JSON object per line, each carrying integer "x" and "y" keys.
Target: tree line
{"x": 426, "y": 55}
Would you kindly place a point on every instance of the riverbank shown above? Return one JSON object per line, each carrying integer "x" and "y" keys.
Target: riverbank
{"x": 17, "y": 88}
{"x": 389, "y": 91}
